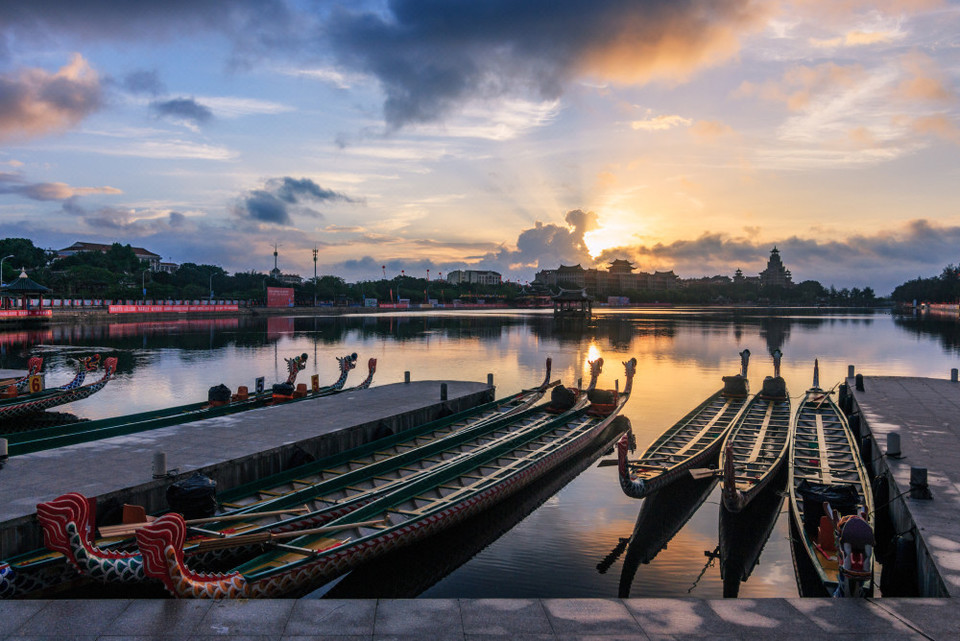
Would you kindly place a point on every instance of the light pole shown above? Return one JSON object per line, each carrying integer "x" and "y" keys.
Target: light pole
{"x": 143, "y": 284}
{"x": 1, "y": 268}
{"x": 211, "y": 287}
{"x": 314, "y": 276}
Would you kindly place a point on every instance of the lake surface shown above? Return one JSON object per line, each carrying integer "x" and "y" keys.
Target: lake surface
{"x": 574, "y": 534}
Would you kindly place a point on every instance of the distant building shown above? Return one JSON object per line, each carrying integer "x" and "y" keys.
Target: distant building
{"x": 617, "y": 279}
{"x": 474, "y": 276}
{"x": 775, "y": 274}
{"x": 276, "y": 274}
{"x": 152, "y": 260}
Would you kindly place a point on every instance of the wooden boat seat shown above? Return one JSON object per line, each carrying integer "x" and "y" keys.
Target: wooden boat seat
{"x": 135, "y": 514}
{"x": 826, "y": 543}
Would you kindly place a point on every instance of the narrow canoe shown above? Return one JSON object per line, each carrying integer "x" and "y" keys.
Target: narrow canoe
{"x": 825, "y": 467}
{"x": 27, "y": 404}
{"x": 755, "y": 450}
{"x": 329, "y": 488}
{"x": 415, "y": 510}
{"x": 693, "y": 441}
{"x": 44, "y": 438}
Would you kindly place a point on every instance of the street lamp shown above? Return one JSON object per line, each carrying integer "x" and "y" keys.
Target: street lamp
{"x": 211, "y": 286}
{"x": 1, "y": 268}
{"x": 314, "y": 276}
{"x": 143, "y": 284}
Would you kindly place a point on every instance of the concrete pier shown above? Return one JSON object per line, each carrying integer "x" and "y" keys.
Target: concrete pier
{"x": 925, "y": 414}
{"x": 231, "y": 449}
{"x": 481, "y": 619}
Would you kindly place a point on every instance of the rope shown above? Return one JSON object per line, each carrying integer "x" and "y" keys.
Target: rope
{"x": 713, "y": 556}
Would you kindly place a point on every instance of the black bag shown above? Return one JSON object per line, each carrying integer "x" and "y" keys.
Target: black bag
{"x": 562, "y": 398}
{"x": 219, "y": 393}
{"x": 842, "y": 498}
{"x": 194, "y": 497}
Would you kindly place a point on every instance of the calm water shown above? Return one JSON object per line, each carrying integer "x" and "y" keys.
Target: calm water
{"x": 575, "y": 534}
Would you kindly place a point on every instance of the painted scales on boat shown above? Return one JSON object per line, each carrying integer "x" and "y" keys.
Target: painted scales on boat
{"x": 830, "y": 495}
{"x": 692, "y": 441}
{"x": 75, "y": 390}
{"x": 325, "y": 489}
{"x": 413, "y": 511}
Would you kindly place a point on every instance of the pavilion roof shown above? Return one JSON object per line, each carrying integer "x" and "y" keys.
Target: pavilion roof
{"x": 24, "y": 285}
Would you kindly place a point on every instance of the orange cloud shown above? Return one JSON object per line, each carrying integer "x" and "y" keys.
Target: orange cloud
{"x": 801, "y": 84}
{"x": 925, "y": 82}
{"x": 671, "y": 47}
{"x": 710, "y": 130}
{"x": 938, "y": 125}
{"x": 37, "y": 102}
{"x": 660, "y": 123}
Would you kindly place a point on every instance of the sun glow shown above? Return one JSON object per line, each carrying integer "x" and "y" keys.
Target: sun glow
{"x": 605, "y": 238}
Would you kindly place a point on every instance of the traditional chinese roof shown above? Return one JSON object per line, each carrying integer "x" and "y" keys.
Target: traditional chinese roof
{"x": 572, "y": 295}
{"x": 24, "y": 285}
{"x": 80, "y": 246}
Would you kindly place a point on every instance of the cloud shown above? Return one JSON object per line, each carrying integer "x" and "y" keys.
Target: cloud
{"x": 711, "y": 130}
{"x": 15, "y": 184}
{"x": 660, "y": 123}
{"x": 36, "y": 102}
{"x": 143, "y": 82}
{"x": 184, "y": 109}
{"x": 924, "y": 81}
{"x": 939, "y": 125}
{"x": 282, "y": 197}
{"x": 801, "y": 84}
{"x": 432, "y": 56}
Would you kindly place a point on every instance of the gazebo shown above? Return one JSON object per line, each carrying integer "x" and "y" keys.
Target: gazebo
{"x": 20, "y": 290}
{"x": 572, "y": 301}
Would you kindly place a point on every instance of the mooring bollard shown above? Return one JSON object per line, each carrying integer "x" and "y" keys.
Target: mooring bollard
{"x": 490, "y": 380}
{"x": 893, "y": 445}
{"x": 159, "y": 465}
{"x": 443, "y": 391}
{"x": 406, "y": 377}
{"x": 850, "y": 371}
{"x": 859, "y": 382}
{"x": 954, "y": 375}
{"x": 918, "y": 484}
{"x": 4, "y": 452}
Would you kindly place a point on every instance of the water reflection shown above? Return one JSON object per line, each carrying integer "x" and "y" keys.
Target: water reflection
{"x": 553, "y": 552}
{"x": 661, "y": 517}
{"x": 744, "y": 535}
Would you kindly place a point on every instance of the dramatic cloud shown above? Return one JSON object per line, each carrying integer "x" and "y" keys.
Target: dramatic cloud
{"x": 186, "y": 109}
{"x": 432, "y": 56}
{"x": 143, "y": 82}
{"x": 35, "y": 102}
{"x": 15, "y": 184}
{"x": 281, "y": 197}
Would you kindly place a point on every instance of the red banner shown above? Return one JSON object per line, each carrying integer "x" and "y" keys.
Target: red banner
{"x": 149, "y": 309}
{"x": 25, "y": 313}
{"x": 279, "y": 297}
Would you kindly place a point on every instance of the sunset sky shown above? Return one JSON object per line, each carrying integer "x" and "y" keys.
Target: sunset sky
{"x": 512, "y": 135}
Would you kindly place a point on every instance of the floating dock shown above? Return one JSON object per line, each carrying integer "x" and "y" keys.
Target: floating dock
{"x": 231, "y": 449}
{"x": 923, "y": 414}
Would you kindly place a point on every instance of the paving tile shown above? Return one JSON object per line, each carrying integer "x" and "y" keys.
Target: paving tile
{"x": 435, "y": 619}
{"x": 159, "y": 618}
{"x": 844, "y": 616}
{"x": 76, "y": 617}
{"x": 511, "y": 617}
{"x": 937, "y": 618}
{"x": 771, "y": 617}
{"x": 589, "y": 617}
{"x": 331, "y": 617}
{"x": 246, "y": 617}
{"x": 13, "y": 614}
{"x": 682, "y": 617}
{"x": 327, "y": 637}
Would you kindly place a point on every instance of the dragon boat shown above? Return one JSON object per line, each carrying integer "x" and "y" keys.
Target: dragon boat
{"x": 328, "y": 488}
{"x": 21, "y": 384}
{"x": 413, "y": 511}
{"x": 755, "y": 449}
{"x": 25, "y": 441}
{"x": 743, "y": 535}
{"x": 691, "y": 442}
{"x": 20, "y": 405}
{"x": 830, "y": 495}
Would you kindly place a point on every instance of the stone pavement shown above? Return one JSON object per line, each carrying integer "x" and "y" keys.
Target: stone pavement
{"x": 925, "y": 412}
{"x": 481, "y": 619}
